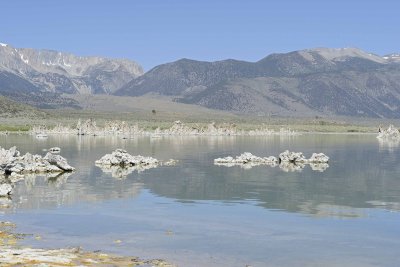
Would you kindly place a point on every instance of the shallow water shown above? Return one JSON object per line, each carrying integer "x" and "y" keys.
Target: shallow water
{"x": 199, "y": 214}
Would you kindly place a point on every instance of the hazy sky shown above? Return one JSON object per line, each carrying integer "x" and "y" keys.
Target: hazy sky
{"x": 159, "y": 31}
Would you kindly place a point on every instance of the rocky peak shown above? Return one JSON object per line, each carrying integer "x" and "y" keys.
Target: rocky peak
{"x": 59, "y": 62}
{"x": 56, "y": 71}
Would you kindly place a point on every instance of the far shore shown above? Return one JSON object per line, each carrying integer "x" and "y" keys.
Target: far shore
{"x": 300, "y": 125}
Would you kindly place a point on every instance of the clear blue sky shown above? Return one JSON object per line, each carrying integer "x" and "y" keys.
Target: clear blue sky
{"x": 152, "y": 32}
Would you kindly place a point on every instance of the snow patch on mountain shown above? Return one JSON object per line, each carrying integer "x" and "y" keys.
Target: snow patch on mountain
{"x": 62, "y": 72}
{"x": 392, "y": 57}
{"x": 341, "y": 54}
{"x": 26, "y": 61}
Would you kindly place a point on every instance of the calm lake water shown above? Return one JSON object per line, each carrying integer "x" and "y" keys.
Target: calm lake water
{"x": 199, "y": 214}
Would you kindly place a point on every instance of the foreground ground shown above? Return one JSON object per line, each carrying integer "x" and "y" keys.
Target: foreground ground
{"x": 13, "y": 255}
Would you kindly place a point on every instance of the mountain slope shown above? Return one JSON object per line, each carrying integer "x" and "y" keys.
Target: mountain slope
{"x": 21, "y": 90}
{"x": 53, "y": 72}
{"x": 186, "y": 76}
{"x": 321, "y": 81}
{"x": 9, "y": 108}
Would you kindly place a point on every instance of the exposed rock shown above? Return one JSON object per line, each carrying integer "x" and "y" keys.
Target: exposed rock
{"x": 8, "y": 156}
{"x": 288, "y": 161}
{"x": 29, "y": 163}
{"x": 87, "y": 128}
{"x": 298, "y": 157}
{"x": 318, "y": 158}
{"x": 120, "y": 163}
{"x": 41, "y": 135}
{"x": 55, "y": 150}
{"x": 246, "y": 158}
{"x": 390, "y": 133}
{"x": 121, "y": 157}
{"x": 5, "y": 190}
{"x": 58, "y": 161}
{"x": 293, "y": 157}
{"x": 14, "y": 167}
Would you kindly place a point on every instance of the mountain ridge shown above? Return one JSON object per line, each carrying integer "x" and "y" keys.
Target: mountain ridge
{"x": 309, "y": 82}
{"x": 320, "y": 81}
{"x": 56, "y": 73}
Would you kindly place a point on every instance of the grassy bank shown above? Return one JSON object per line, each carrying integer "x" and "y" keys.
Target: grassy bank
{"x": 14, "y": 128}
{"x": 301, "y": 126}
{"x": 150, "y": 121}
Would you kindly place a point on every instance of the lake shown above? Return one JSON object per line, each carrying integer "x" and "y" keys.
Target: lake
{"x": 199, "y": 214}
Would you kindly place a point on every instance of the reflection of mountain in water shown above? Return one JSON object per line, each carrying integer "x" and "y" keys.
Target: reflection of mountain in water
{"x": 360, "y": 175}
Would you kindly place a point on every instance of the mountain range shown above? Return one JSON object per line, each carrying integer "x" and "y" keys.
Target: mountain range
{"x": 41, "y": 77}
{"x": 320, "y": 81}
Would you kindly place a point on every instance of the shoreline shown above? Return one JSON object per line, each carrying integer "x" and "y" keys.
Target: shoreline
{"x": 13, "y": 254}
{"x": 120, "y": 127}
{"x": 162, "y": 120}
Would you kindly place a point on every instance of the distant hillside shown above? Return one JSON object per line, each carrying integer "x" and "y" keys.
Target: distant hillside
{"x": 321, "y": 81}
{"x": 9, "y": 108}
{"x": 185, "y": 77}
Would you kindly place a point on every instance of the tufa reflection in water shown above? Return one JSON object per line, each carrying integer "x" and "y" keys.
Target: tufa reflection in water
{"x": 360, "y": 172}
